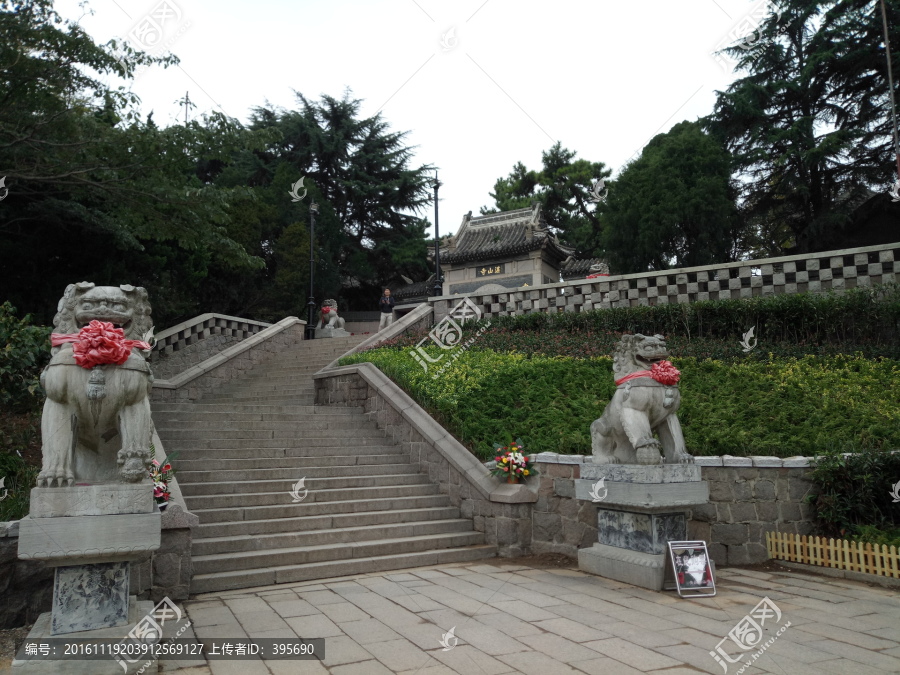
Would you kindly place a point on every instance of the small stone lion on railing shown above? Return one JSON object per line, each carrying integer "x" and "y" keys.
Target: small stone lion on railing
{"x": 96, "y": 424}
{"x": 328, "y": 315}
{"x": 646, "y": 401}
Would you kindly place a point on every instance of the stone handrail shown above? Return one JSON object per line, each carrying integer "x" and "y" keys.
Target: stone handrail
{"x": 410, "y": 320}
{"x": 438, "y": 438}
{"x": 200, "y": 327}
{"x": 812, "y": 273}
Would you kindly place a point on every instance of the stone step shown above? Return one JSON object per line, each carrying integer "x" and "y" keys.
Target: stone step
{"x": 233, "y": 410}
{"x": 249, "y": 446}
{"x": 246, "y": 560}
{"x": 325, "y": 537}
{"x": 283, "y": 421}
{"x": 219, "y": 465}
{"x": 219, "y": 501}
{"x": 244, "y": 512}
{"x": 323, "y": 522}
{"x": 305, "y": 399}
{"x": 187, "y": 476}
{"x": 351, "y": 429}
{"x": 217, "y": 486}
{"x": 188, "y": 451}
{"x": 248, "y": 578}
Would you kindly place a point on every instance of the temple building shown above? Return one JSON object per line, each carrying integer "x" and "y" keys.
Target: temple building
{"x": 513, "y": 249}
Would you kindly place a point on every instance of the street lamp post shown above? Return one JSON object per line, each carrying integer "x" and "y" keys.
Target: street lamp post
{"x": 438, "y": 286}
{"x": 311, "y": 305}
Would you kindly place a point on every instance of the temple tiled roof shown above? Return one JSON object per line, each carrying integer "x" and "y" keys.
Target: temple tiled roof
{"x": 503, "y": 234}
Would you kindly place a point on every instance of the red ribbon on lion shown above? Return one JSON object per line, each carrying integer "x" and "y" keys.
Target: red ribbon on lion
{"x": 663, "y": 372}
{"x": 99, "y": 343}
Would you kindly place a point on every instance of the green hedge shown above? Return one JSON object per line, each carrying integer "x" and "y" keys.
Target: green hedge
{"x": 25, "y": 351}
{"x": 770, "y": 406}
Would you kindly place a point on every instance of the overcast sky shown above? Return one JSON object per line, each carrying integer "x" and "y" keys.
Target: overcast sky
{"x": 478, "y": 85}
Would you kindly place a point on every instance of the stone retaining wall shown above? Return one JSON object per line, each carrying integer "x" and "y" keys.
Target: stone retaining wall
{"x": 745, "y": 502}
{"x": 169, "y": 364}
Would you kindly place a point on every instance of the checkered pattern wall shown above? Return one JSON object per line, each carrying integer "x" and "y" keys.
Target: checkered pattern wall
{"x": 813, "y": 273}
{"x": 201, "y": 327}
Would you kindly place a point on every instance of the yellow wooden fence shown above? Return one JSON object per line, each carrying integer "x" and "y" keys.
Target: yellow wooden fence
{"x": 838, "y": 553}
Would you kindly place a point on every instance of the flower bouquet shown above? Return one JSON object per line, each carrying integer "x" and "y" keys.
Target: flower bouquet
{"x": 512, "y": 463}
{"x": 161, "y": 474}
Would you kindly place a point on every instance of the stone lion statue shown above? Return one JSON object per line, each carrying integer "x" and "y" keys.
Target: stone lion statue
{"x": 328, "y": 315}
{"x": 96, "y": 425}
{"x": 646, "y": 401}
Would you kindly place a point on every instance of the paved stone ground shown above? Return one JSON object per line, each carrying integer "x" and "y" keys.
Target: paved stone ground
{"x": 513, "y": 618}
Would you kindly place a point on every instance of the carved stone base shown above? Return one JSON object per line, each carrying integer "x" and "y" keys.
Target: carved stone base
{"x": 36, "y": 665}
{"x": 329, "y": 332}
{"x": 92, "y": 500}
{"x": 79, "y": 540}
{"x": 90, "y": 597}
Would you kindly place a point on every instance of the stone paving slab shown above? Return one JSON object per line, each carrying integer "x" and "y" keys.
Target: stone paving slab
{"x": 500, "y": 618}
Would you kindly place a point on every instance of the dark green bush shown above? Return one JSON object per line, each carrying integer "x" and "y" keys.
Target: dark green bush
{"x": 855, "y": 495}
{"x": 25, "y": 350}
{"x": 18, "y": 479}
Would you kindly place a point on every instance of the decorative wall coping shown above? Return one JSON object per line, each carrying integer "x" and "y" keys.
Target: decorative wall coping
{"x": 435, "y": 435}
{"x": 199, "y": 324}
{"x": 758, "y": 461}
{"x": 226, "y": 355}
{"x": 758, "y": 262}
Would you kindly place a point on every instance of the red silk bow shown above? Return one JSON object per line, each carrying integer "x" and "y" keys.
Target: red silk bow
{"x": 663, "y": 372}
{"x": 99, "y": 343}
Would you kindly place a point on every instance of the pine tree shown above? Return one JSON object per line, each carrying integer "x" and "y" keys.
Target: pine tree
{"x": 809, "y": 124}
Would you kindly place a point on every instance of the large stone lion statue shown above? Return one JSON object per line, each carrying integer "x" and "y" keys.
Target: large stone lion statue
{"x": 328, "y": 315}
{"x": 96, "y": 425}
{"x": 646, "y": 401}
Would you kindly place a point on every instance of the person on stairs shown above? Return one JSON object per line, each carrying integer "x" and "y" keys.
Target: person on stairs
{"x": 386, "y": 305}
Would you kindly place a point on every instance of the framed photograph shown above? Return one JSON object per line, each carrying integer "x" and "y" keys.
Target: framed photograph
{"x": 691, "y": 572}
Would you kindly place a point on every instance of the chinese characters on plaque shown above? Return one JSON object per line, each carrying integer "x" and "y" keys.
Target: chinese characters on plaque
{"x": 491, "y": 270}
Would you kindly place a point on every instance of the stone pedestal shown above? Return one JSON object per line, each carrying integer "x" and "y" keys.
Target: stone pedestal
{"x": 330, "y": 332}
{"x": 639, "y": 509}
{"x": 89, "y": 533}
{"x": 42, "y": 629}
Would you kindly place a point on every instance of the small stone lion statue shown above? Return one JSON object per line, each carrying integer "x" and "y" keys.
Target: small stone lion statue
{"x": 96, "y": 425}
{"x": 645, "y": 402}
{"x": 328, "y": 316}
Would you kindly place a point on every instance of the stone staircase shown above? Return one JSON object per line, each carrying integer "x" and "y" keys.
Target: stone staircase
{"x": 243, "y": 448}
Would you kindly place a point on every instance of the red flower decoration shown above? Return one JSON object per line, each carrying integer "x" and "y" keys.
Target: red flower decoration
{"x": 99, "y": 343}
{"x": 325, "y": 310}
{"x": 665, "y": 373}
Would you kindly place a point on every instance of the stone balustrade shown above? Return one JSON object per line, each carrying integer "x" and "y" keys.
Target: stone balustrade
{"x": 193, "y": 341}
{"x": 809, "y": 273}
